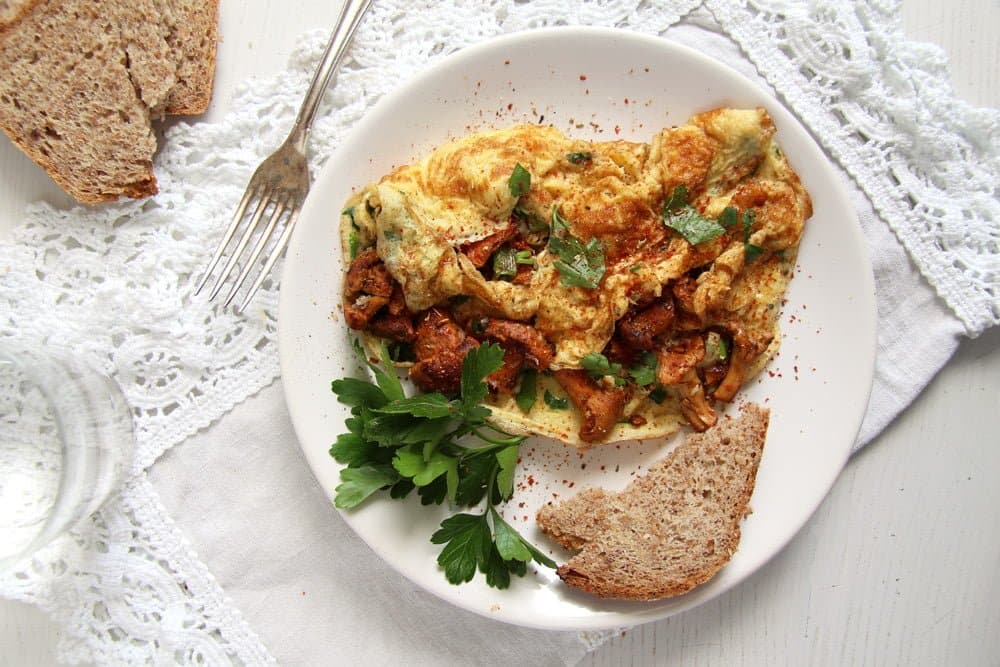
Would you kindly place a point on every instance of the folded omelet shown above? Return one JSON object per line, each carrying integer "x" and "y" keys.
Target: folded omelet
{"x": 631, "y": 285}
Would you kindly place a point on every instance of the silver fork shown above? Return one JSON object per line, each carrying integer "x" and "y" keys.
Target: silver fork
{"x": 281, "y": 182}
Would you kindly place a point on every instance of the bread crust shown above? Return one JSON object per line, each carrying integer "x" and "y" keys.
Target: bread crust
{"x": 114, "y": 61}
{"x": 673, "y": 528}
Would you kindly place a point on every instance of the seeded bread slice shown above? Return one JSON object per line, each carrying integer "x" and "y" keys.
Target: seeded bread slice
{"x": 68, "y": 99}
{"x": 671, "y": 529}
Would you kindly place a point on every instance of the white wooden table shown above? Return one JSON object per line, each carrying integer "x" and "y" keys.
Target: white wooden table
{"x": 901, "y": 563}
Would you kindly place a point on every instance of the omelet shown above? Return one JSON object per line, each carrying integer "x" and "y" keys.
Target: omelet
{"x": 633, "y": 286}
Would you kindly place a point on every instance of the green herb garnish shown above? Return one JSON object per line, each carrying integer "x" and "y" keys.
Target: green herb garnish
{"x": 750, "y": 250}
{"x": 527, "y": 393}
{"x": 580, "y": 264}
{"x": 685, "y": 219}
{"x": 644, "y": 372}
{"x": 658, "y": 395}
{"x": 519, "y": 181}
{"x": 579, "y": 158}
{"x": 597, "y": 366}
{"x": 554, "y": 401}
{"x": 729, "y": 217}
{"x": 354, "y": 245}
{"x": 677, "y": 200}
{"x": 400, "y": 443}
{"x": 505, "y": 263}
{"x": 525, "y": 257}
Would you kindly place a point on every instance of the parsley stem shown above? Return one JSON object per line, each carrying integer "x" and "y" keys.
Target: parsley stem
{"x": 502, "y": 442}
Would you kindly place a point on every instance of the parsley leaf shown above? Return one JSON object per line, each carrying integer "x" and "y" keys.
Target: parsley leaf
{"x": 399, "y": 443}
{"x": 478, "y": 363}
{"x": 678, "y": 199}
{"x": 729, "y": 217}
{"x": 751, "y": 251}
{"x": 598, "y": 365}
{"x": 467, "y": 540}
{"x": 512, "y": 546}
{"x": 555, "y": 402}
{"x": 644, "y": 372}
{"x": 422, "y": 405}
{"x": 527, "y": 393}
{"x": 693, "y": 226}
{"x": 579, "y": 158}
{"x": 685, "y": 219}
{"x": 355, "y": 392}
{"x": 356, "y": 484}
{"x": 353, "y": 450}
{"x": 507, "y": 460}
{"x": 581, "y": 265}
{"x": 519, "y": 181}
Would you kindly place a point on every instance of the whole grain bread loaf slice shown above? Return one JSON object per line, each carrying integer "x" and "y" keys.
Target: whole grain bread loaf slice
{"x": 671, "y": 529}
{"x": 80, "y": 81}
{"x": 193, "y": 37}
{"x": 68, "y": 98}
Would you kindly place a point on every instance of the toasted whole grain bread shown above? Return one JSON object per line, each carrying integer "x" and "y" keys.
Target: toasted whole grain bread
{"x": 68, "y": 100}
{"x": 671, "y": 529}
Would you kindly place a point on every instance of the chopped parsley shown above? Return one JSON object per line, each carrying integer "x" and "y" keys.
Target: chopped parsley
{"x": 579, "y": 264}
{"x": 644, "y": 372}
{"x": 519, "y": 181}
{"x": 729, "y": 217}
{"x": 399, "y": 443}
{"x": 554, "y": 401}
{"x": 354, "y": 244}
{"x": 505, "y": 263}
{"x": 579, "y": 158}
{"x": 525, "y": 257}
{"x": 750, "y": 250}
{"x": 598, "y": 366}
{"x": 685, "y": 219}
{"x": 527, "y": 393}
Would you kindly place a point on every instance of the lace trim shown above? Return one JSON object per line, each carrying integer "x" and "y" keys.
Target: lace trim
{"x": 115, "y": 282}
{"x": 129, "y": 590}
{"x": 885, "y": 109}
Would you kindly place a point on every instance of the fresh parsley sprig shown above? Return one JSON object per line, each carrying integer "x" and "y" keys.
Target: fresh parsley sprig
{"x": 401, "y": 443}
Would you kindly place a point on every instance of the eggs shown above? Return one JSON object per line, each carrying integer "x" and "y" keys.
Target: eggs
{"x": 594, "y": 240}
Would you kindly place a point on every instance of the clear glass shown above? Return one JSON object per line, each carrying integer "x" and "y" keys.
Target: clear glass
{"x": 66, "y": 443}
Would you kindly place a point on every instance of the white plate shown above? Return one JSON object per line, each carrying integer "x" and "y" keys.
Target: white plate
{"x": 593, "y": 84}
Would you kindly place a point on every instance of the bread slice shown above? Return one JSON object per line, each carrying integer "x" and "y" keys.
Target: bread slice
{"x": 671, "y": 529}
{"x": 81, "y": 80}
{"x": 68, "y": 99}
{"x": 151, "y": 64}
{"x": 193, "y": 37}
{"x": 10, "y": 8}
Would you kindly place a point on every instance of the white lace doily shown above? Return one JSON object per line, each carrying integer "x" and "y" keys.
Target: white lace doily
{"x": 115, "y": 282}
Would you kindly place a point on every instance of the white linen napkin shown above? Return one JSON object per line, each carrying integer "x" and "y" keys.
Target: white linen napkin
{"x": 223, "y": 548}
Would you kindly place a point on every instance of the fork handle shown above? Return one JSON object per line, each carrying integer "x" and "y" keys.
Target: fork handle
{"x": 343, "y": 31}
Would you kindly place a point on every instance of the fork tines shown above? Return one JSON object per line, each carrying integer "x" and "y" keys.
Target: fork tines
{"x": 268, "y": 210}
